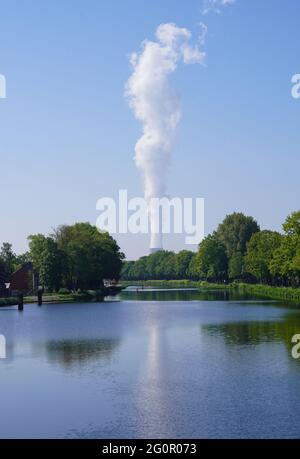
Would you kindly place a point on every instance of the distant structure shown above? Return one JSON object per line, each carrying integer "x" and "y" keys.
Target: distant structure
{"x": 24, "y": 280}
{"x": 156, "y": 243}
{"x": 152, "y": 250}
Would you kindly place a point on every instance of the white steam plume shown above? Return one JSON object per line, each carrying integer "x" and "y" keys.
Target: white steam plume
{"x": 156, "y": 104}
{"x": 215, "y": 5}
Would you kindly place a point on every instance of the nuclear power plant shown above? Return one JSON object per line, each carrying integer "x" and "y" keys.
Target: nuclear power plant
{"x": 156, "y": 243}
{"x": 157, "y": 106}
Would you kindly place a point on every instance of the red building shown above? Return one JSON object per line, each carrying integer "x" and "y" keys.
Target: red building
{"x": 24, "y": 280}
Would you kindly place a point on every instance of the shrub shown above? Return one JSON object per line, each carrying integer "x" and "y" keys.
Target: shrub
{"x": 64, "y": 291}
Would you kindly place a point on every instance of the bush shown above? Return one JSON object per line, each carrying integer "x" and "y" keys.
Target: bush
{"x": 64, "y": 291}
{"x": 83, "y": 296}
{"x": 8, "y": 302}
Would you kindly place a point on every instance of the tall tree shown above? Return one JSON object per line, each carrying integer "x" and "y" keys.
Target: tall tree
{"x": 236, "y": 266}
{"x": 48, "y": 260}
{"x": 235, "y": 231}
{"x": 9, "y": 260}
{"x": 260, "y": 252}
{"x": 127, "y": 270}
{"x": 182, "y": 264}
{"x": 286, "y": 260}
{"x": 91, "y": 255}
{"x": 165, "y": 267}
{"x": 192, "y": 271}
{"x": 212, "y": 261}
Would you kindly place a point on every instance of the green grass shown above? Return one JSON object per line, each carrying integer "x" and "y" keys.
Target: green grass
{"x": 277, "y": 293}
{"x": 71, "y": 297}
{"x": 175, "y": 284}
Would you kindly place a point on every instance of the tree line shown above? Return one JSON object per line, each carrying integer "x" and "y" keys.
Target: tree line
{"x": 237, "y": 250}
{"x": 76, "y": 257}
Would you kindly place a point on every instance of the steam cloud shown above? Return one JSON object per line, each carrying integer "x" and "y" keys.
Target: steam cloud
{"x": 214, "y": 5}
{"x": 156, "y": 104}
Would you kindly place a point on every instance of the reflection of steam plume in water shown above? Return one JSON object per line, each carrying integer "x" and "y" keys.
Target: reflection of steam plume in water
{"x": 155, "y": 103}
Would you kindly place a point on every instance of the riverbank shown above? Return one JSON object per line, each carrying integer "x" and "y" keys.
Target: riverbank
{"x": 276, "y": 293}
{"x": 175, "y": 284}
{"x": 68, "y": 297}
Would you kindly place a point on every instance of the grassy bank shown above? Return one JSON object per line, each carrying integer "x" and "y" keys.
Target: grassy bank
{"x": 54, "y": 298}
{"x": 175, "y": 284}
{"x": 67, "y": 297}
{"x": 265, "y": 291}
{"x": 276, "y": 293}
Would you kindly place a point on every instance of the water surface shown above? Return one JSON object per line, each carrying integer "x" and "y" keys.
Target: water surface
{"x": 152, "y": 364}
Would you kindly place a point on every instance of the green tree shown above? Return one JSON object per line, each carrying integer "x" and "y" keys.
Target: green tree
{"x": 165, "y": 266}
{"x": 235, "y": 231}
{"x": 9, "y": 260}
{"x": 182, "y": 264}
{"x": 91, "y": 256}
{"x": 236, "y": 266}
{"x": 192, "y": 271}
{"x": 139, "y": 270}
{"x": 48, "y": 260}
{"x": 285, "y": 264}
{"x": 292, "y": 224}
{"x": 127, "y": 270}
{"x": 260, "y": 252}
{"x": 212, "y": 261}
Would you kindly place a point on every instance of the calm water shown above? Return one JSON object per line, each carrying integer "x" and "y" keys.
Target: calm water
{"x": 152, "y": 365}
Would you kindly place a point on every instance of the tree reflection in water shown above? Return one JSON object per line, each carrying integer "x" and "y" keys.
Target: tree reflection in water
{"x": 253, "y": 333}
{"x": 70, "y": 353}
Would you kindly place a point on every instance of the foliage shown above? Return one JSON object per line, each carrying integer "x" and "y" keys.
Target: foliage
{"x": 8, "y": 302}
{"x": 163, "y": 265}
{"x": 64, "y": 291}
{"x": 286, "y": 260}
{"x": 8, "y": 261}
{"x": 183, "y": 264}
{"x": 79, "y": 257}
{"x": 75, "y": 257}
{"x": 48, "y": 260}
{"x": 91, "y": 256}
{"x": 235, "y": 231}
{"x": 260, "y": 253}
{"x": 237, "y": 251}
{"x": 236, "y": 266}
{"x": 212, "y": 261}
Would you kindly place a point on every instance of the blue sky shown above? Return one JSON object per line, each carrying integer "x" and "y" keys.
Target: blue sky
{"x": 67, "y": 135}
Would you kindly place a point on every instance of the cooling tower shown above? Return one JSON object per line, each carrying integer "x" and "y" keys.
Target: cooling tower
{"x": 156, "y": 243}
